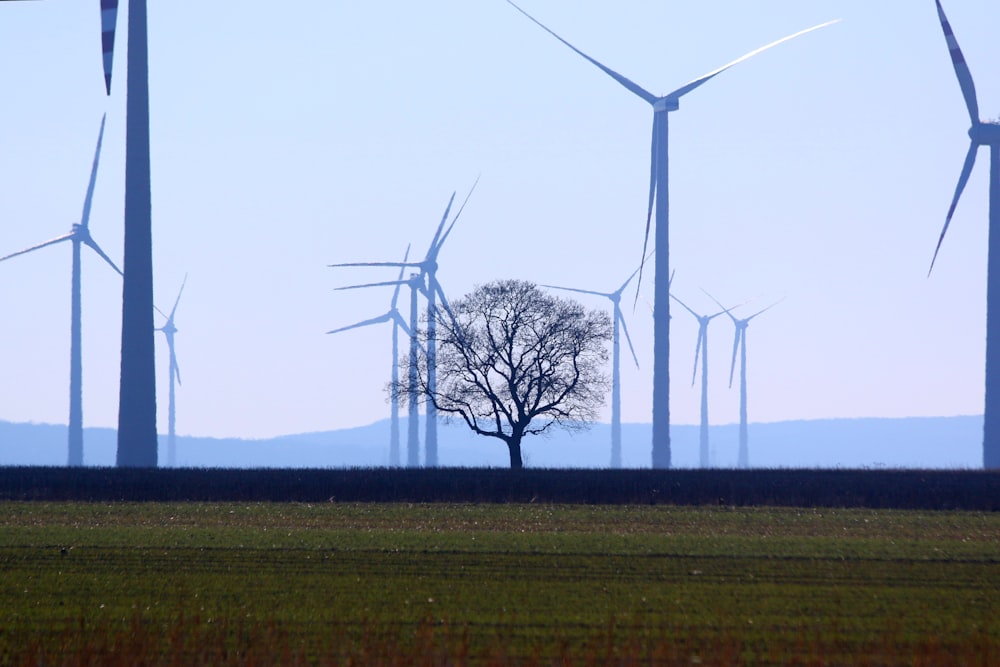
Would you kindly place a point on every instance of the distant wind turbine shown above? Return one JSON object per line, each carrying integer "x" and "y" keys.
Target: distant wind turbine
{"x": 416, "y": 285}
{"x": 982, "y": 133}
{"x": 392, "y": 315}
{"x": 432, "y": 291}
{"x": 658, "y": 192}
{"x": 80, "y": 234}
{"x": 701, "y": 347}
{"x": 169, "y": 329}
{"x": 740, "y": 343}
{"x": 616, "y": 400}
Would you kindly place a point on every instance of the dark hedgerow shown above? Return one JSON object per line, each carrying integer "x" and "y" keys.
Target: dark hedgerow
{"x": 899, "y": 489}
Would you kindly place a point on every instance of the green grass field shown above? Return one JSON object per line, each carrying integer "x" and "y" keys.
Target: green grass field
{"x": 366, "y": 584}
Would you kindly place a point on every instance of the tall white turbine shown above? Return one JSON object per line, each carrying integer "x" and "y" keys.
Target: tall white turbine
{"x": 169, "y": 329}
{"x": 981, "y": 133}
{"x": 392, "y": 315}
{"x": 701, "y": 347}
{"x": 616, "y": 397}
{"x": 659, "y": 192}
{"x": 79, "y": 235}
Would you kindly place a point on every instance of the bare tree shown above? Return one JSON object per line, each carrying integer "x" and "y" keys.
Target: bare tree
{"x": 513, "y": 361}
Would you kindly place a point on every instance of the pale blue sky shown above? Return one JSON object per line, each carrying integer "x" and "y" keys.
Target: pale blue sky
{"x": 287, "y": 139}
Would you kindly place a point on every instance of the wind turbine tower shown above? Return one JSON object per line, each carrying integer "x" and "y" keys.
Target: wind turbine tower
{"x": 169, "y": 330}
{"x": 413, "y": 436}
{"x": 79, "y": 235}
{"x": 137, "y": 389}
{"x": 701, "y": 347}
{"x": 981, "y": 133}
{"x": 397, "y": 323}
{"x": 616, "y": 397}
{"x": 659, "y": 194}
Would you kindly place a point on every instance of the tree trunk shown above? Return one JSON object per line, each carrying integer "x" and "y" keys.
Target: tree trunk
{"x": 514, "y": 447}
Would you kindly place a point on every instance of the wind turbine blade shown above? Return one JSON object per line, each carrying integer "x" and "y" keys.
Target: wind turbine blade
{"x": 58, "y": 239}
{"x": 173, "y": 363}
{"x": 628, "y": 339}
{"x": 436, "y": 286}
{"x": 688, "y": 87}
{"x": 724, "y": 309}
{"x": 437, "y": 232}
{"x": 375, "y": 320}
{"x": 573, "y": 289}
{"x": 400, "y": 322}
{"x": 686, "y": 307}
{"x": 628, "y": 84}
{"x": 634, "y": 273}
{"x": 736, "y": 345}
{"x": 961, "y": 68}
{"x": 399, "y": 264}
{"x": 178, "y": 299}
{"x": 109, "y": 17}
{"x": 970, "y": 160}
{"x": 649, "y": 209}
{"x": 96, "y": 248}
{"x": 85, "y": 216}
{"x": 763, "y": 310}
{"x": 382, "y": 284}
{"x": 440, "y": 243}
{"x": 395, "y": 292}
{"x": 697, "y": 353}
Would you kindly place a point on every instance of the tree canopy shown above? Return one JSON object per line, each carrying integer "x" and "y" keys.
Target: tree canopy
{"x": 513, "y": 360}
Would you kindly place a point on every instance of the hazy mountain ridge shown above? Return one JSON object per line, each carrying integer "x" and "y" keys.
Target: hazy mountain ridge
{"x": 914, "y": 442}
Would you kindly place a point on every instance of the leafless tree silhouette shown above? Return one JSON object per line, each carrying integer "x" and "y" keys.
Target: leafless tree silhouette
{"x": 514, "y": 361}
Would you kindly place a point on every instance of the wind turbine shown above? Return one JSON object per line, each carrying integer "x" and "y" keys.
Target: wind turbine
{"x": 432, "y": 291}
{"x": 658, "y": 192}
{"x": 701, "y": 347}
{"x": 169, "y": 329}
{"x": 416, "y": 285}
{"x": 392, "y": 315}
{"x": 982, "y": 133}
{"x": 616, "y": 400}
{"x": 740, "y": 343}
{"x": 78, "y": 235}
{"x": 137, "y": 389}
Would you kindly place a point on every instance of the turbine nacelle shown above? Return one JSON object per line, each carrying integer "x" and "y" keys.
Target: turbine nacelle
{"x": 667, "y": 103}
{"x": 985, "y": 133}
{"x": 80, "y": 232}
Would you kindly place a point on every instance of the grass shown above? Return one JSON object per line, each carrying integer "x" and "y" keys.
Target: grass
{"x": 399, "y": 584}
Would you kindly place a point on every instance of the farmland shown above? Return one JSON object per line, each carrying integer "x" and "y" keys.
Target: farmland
{"x": 398, "y": 583}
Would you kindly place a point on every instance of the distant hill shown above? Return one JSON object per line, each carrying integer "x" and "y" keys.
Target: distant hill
{"x": 916, "y": 442}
